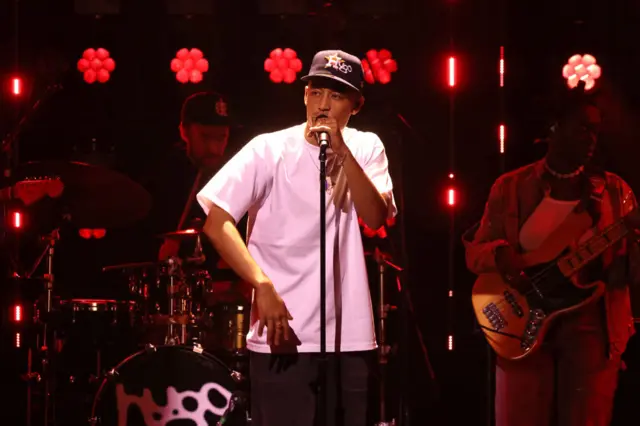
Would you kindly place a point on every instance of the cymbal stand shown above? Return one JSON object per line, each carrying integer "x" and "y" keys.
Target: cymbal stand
{"x": 383, "y": 348}
{"x": 45, "y": 345}
{"x": 47, "y": 369}
{"x": 174, "y": 272}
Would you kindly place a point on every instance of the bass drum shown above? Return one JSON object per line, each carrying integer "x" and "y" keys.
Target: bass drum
{"x": 165, "y": 385}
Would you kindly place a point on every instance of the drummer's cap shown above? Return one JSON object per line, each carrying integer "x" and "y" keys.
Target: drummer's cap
{"x": 208, "y": 108}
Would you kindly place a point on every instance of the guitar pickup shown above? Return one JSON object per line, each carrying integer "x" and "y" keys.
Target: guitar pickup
{"x": 515, "y": 307}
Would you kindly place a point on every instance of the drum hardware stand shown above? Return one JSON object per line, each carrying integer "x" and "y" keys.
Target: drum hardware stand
{"x": 46, "y": 377}
{"x": 31, "y": 377}
{"x": 383, "y": 348}
{"x": 236, "y": 413}
{"x": 174, "y": 272}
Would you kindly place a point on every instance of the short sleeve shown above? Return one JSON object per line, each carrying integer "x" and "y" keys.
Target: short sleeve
{"x": 242, "y": 182}
{"x": 377, "y": 169}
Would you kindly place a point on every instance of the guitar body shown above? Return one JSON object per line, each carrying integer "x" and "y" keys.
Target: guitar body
{"x": 29, "y": 191}
{"x": 516, "y": 322}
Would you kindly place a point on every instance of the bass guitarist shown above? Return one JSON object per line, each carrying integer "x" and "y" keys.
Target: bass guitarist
{"x": 572, "y": 378}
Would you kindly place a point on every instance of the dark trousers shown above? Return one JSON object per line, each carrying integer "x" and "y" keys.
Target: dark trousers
{"x": 284, "y": 388}
{"x": 571, "y": 381}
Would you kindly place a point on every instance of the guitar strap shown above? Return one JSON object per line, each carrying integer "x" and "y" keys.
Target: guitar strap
{"x": 594, "y": 195}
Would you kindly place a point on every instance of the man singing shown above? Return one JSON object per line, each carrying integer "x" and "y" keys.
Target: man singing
{"x": 275, "y": 178}
{"x": 571, "y": 380}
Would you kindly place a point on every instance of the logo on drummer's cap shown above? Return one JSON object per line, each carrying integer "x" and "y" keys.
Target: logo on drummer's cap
{"x": 221, "y": 108}
{"x": 162, "y": 415}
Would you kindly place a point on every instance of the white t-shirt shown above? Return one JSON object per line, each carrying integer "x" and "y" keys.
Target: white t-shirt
{"x": 275, "y": 177}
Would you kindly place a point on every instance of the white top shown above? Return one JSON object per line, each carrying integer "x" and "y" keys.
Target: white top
{"x": 549, "y": 214}
{"x": 275, "y": 177}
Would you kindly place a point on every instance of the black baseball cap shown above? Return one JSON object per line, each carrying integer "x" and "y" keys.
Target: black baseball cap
{"x": 208, "y": 108}
{"x": 337, "y": 65}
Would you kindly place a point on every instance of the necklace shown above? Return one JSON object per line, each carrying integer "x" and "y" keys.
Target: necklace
{"x": 563, "y": 175}
{"x": 328, "y": 183}
{"x": 331, "y": 162}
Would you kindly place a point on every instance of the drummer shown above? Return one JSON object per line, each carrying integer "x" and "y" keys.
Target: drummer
{"x": 204, "y": 130}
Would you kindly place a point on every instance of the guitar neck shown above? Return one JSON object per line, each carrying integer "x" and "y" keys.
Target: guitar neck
{"x": 572, "y": 262}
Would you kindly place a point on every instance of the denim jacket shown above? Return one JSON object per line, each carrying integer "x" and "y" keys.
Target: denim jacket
{"x": 514, "y": 197}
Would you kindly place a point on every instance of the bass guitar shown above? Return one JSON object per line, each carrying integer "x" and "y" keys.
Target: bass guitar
{"x": 515, "y": 321}
{"x": 29, "y": 191}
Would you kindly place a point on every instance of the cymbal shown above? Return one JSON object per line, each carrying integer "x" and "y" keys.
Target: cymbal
{"x": 185, "y": 234}
{"x": 94, "y": 196}
{"x": 194, "y": 230}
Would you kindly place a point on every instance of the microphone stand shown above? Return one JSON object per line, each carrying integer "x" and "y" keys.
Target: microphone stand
{"x": 322, "y": 371}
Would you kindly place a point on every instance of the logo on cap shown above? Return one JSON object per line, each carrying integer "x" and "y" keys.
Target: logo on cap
{"x": 336, "y": 62}
{"x": 221, "y": 108}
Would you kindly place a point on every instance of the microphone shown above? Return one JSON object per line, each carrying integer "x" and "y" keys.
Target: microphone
{"x": 323, "y": 139}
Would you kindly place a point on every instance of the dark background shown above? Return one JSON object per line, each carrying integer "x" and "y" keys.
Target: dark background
{"x": 136, "y": 115}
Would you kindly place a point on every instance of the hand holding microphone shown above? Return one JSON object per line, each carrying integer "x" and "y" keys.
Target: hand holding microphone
{"x": 327, "y": 131}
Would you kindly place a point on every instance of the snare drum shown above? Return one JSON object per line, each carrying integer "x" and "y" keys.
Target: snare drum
{"x": 165, "y": 385}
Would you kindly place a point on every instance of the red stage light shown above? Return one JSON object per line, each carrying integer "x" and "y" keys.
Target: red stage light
{"x": 87, "y": 234}
{"x": 283, "y": 65}
{"x": 96, "y": 65}
{"x": 451, "y": 197}
{"x": 16, "y": 86}
{"x": 378, "y": 66}
{"x": 16, "y": 220}
{"x": 582, "y": 68}
{"x": 371, "y": 233}
{"x": 501, "y": 66}
{"x": 452, "y": 71}
{"x": 502, "y": 133}
{"x": 189, "y": 65}
{"x": 17, "y": 313}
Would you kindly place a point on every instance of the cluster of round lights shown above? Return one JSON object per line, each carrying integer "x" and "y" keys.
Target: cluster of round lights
{"x": 189, "y": 65}
{"x": 96, "y": 65}
{"x": 283, "y": 65}
{"x": 582, "y": 68}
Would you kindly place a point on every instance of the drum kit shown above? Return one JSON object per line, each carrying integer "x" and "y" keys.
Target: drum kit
{"x": 175, "y": 348}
